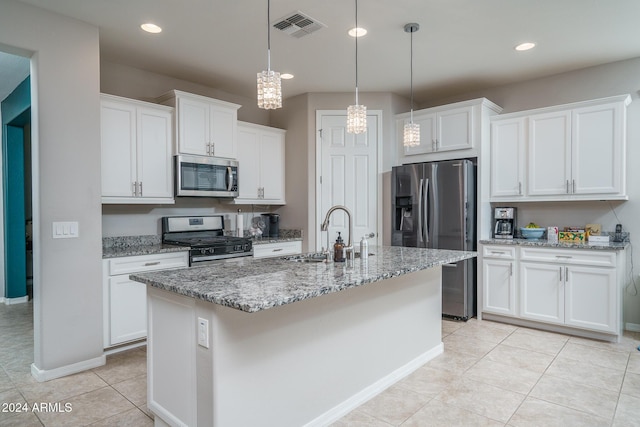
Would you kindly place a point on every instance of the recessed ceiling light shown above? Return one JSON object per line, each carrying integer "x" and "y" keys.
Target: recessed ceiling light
{"x": 357, "y": 32}
{"x": 286, "y": 76}
{"x": 525, "y": 46}
{"x": 151, "y": 28}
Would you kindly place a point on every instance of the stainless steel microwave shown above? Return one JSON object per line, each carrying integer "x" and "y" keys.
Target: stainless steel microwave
{"x": 201, "y": 176}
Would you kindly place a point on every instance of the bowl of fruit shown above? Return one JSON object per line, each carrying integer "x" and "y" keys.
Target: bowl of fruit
{"x": 532, "y": 231}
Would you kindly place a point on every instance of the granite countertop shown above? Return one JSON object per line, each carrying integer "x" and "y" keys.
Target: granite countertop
{"x": 253, "y": 285}
{"x": 265, "y": 240}
{"x": 117, "y": 252}
{"x": 611, "y": 246}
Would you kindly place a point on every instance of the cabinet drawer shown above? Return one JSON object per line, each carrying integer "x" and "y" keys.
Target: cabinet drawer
{"x": 503, "y": 252}
{"x": 567, "y": 256}
{"x": 142, "y": 263}
{"x": 277, "y": 249}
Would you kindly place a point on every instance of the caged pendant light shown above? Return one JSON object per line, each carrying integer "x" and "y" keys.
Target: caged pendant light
{"x": 356, "y": 114}
{"x": 269, "y": 83}
{"x": 411, "y": 130}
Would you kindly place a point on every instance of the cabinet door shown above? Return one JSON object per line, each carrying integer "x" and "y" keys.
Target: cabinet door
{"x": 154, "y": 153}
{"x": 193, "y": 126}
{"x": 507, "y": 157}
{"x": 427, "y": 124}
{"x": 542, "y": 292}
{"x": 499, "y": 286}
{"x": 590, "y": 298}
{"x": 598, "y": 143}
{"x": 455, "y": 129}
{"x": 248, "y": 163}
{"x": 223, "y": 122}
{"x": 549, "y": 154}
{"x": 127, "y": 309}
{"x": 272, "y": 166}
{"x": 118, "y": 148}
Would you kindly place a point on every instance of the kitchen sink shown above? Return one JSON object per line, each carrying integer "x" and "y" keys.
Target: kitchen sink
{"x": 313, "y": 257}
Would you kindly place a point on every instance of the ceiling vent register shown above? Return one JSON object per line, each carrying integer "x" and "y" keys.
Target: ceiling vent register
{"x": 298, "y": 25}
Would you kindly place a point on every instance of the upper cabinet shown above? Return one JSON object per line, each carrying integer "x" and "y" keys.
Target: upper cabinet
{"x": 447, "y": 131}
{"x": 261, "y": 165}
{"x": 135, "y": 151}
{"x": 204, "y": 126}
{"x": 573, "y": 152}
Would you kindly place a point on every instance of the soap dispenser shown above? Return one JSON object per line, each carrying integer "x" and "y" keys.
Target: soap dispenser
{"x": 364, "y": 248}
{"x": 338, "y": 249}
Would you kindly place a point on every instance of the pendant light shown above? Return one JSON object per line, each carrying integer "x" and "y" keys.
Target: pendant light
{"x": 411, "y": 130}
{"x": 356, "y": 114}
{"x": 269, "y": 83}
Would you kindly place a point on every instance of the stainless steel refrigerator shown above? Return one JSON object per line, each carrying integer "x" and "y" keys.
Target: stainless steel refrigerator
{"x": 434, "y": 206}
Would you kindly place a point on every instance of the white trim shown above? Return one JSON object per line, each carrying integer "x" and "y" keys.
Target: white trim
{"x": 19, "y": 300}
{"x": 124, "y": 347}
{"x": 42, "y": 375}
{"x": 633, "y": 327}
{"x": 379, "y": 151}
{"x": 339, "y": 411}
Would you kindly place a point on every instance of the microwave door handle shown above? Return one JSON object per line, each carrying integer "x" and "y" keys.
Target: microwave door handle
{"x": 229, "y": 178}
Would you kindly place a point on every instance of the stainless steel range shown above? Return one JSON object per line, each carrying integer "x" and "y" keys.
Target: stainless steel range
{"x": 205, "y": 236}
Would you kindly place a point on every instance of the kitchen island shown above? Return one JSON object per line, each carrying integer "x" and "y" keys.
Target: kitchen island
{"x": 286, "y": 342}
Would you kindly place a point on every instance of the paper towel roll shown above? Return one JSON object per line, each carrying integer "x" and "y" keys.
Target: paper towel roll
{"x": 239, "y": 225}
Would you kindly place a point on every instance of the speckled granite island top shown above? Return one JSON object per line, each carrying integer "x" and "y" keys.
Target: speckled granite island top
{"x": 611, "y": 246}
{"x": 253, "y": 285}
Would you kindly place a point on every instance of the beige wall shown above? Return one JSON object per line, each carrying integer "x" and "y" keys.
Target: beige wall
{"x": 66, "y": 187}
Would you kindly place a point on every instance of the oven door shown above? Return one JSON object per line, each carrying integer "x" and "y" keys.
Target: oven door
{"x": 200, "y": 176}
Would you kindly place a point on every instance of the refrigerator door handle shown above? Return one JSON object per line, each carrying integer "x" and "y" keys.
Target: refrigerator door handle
{"x": 425, "y": 232}
{"x": 420, "y": 213}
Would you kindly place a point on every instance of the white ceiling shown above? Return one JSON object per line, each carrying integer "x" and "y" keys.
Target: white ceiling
{"x": 462, "y": 45}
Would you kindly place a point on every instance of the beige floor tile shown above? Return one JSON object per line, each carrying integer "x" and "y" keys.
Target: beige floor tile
{"x": 595, "y": 401}
{"x": 627, "y": 343}
{"x": 89, "y": 408}
{"x": 627, "y": 412}
{"x": 482, "y": 399}
{"x": 61, "y": 388}
{"x": 631, "y": 386}
{"x": 5, "y": 381}
{"x": 450, "y": 326}
{"x": 438, "y": 414}
{"x": 22, "y": 419}
{"x": 134, "y": 390}
{"x": 586, "y": 373}
{"x": 394, "y": 405}
{"x": 15, "y": 404}
{"x": 595, "y": 356}
{"x": 123, "y": 366}
{"x": 537, "y": 413}
{"x": 634, "y": 363}
{"x": 538, "y": 341}
{"x": 495, "y": 325}
{"x": 133, "y": 418}
{"x": 484, "y": 331}
{"x": 509, "y": 377}
{"x": 453, "y": 361}
{"x": 520, "y": 358}
{"x": 429, "y": 381}
{"x": 467, "y": 344}
{"x": 358, "y": 418}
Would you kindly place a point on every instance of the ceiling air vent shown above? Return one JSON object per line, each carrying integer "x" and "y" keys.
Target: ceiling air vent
{"x": 297, "y": 24}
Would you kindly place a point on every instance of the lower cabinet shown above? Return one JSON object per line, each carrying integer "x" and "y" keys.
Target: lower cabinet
{"x": 125, "y": 301}
{"x": 573, "y": 288}
{"x": 277, "y": 249}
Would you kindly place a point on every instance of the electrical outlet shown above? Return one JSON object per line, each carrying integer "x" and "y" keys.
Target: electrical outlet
{"x": 203, "y": 332}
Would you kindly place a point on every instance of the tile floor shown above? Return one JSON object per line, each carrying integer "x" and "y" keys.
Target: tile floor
{"x": 490, "y": 374}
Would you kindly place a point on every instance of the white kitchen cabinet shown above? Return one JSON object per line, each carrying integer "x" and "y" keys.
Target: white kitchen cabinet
{"x": 499, "y": 278}
{"x": 277, "y": 249}
{"x": 261, "y": 152}
{"x": 125, "y": 301}
{"x": 135, "y": 151}
{"x": 204, "y": 126}
{"x": 541, "y": 292}
{"x": 507, "y": 151}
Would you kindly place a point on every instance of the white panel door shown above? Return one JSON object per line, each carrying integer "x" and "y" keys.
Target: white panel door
{"x": 590, "y": 298}
{"x": 223, "y": 122}
{"x": 507, "y": 157}
{"x": 118, "y": 148}
{"x": 272, "y": 166}
{"x": 549, "y": 154}
{"x": 155, "y": 172}
{"x": 455, "y": 129}
{"x": 542, "y": 292}
{"x": 193, "y": 126}
{"x": 499, "y": 287}
{"x": 128, "y": 309}
{"x": 248, "y": 163}
{"x": 597, "y": 149}
{"x": 349, "y": 178}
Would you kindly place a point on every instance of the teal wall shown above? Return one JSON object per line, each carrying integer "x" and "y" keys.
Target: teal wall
{"x": 16, "y": 114}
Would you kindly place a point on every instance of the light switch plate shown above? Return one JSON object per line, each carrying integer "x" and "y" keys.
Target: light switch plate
{"x": 65, "y": 230}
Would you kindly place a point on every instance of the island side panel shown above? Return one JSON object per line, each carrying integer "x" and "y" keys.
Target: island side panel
{"x": 311, "y": 362}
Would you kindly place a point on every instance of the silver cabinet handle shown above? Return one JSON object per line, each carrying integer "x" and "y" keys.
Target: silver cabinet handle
{"x": 134, "y": 189}
{"x": 498, "y": 252}
{"x": 567, "y": 186}
{"x": 510, "y": 269}
{"x": 140, "y": 194}
{"x": 277, "y": 250}
{"x": 213, "y": 149}
{"x": 149, "y": 264}
{"x": 566, "y": 274}
{"x": 564, "y": 256}
{"x": 520, "y": 188}
{"x": 560, "y": 274}
{"x": 573, "y": 185}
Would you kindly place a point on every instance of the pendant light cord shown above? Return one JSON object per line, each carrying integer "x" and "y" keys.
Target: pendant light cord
{"x": 356, "y": 52}
{"x": 268, "y": 36}
{"x": 411, "y": 74}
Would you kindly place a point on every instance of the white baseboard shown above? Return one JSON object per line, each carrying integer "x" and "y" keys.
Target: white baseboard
{"x": 42, "y": 375}
{"x": 633, "y": 327}
{"x": 19, "y": 300}
{"x": 339, "y": 411}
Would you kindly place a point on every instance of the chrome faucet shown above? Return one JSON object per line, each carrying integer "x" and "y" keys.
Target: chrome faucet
{"x": 325, "y": 226}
